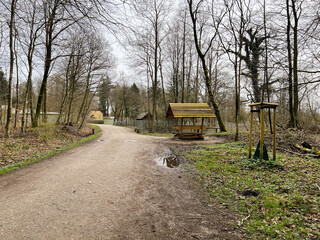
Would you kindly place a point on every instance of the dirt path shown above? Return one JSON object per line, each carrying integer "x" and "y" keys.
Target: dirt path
{"x": 112, "y": 188}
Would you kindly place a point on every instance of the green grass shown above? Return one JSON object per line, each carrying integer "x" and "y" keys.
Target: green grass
{"x": 158, "y": 134}
{"x": 288, "y": 201}
{"x": 48, "y": 154}
{"x": 96, "y": 128}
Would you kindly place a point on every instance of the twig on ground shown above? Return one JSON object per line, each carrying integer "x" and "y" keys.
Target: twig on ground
{"x": 242, "y": 220}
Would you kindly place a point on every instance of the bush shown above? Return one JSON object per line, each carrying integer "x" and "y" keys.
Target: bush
{"x": 96, "y": 121}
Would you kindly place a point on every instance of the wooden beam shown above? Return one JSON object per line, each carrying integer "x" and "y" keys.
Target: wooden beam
{"x": 181, "y": 126}
{"x": 202, "y": 126}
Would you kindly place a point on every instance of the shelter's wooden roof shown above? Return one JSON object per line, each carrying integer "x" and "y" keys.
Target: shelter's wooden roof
{"x": 264, "y": 105}
{"x": 143, "y": 116}
{"x": 189, "y": 110}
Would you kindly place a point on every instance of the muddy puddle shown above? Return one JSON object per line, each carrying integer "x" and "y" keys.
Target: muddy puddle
{"x": 171, "y": 161}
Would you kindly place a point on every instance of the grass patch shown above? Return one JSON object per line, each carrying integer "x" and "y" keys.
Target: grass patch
{"x": 108, "y": 121}
{"x": 50, "y": 153}
{"x": 158, "y": 134}
{"x": 274, "y": 200}
{"x": 96, "y": 128}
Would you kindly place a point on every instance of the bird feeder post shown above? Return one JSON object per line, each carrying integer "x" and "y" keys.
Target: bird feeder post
{"x": 260, "y": 108}
{"x": 250, "y": 133}
{"x": 274, "y": 134}
{"x": 261, "y": 133}
{"x": 202, "y": 120}
{"x": 181, "y": 127}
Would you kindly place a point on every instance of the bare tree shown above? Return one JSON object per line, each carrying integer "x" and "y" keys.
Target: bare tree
{"x": 153, "y": 13}
{"x": 194, "y": 15}
{"x": 11, "y": 46}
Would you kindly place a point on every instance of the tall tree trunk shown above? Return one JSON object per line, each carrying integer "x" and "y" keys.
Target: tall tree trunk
{"x": 162, "y": 81}
{"x": 71, "y": 98}
{"x": 266, "y": 67}
{"x": 237, "y": 97}
{"x": 11, "y": 26}
{"x": 183, "y": 58}
{"x": 66, "y": 90}
{"x": 17, "y": 82}
{"x": 86, "y": 94}
{"x": 295, "y": 64}
{"x": 49, "y": 28}
{"x": 43, "y": 88}
{"x": 155, "y": 84}
{"x": 205, "y": 71}
{"x": 292, "y": 120}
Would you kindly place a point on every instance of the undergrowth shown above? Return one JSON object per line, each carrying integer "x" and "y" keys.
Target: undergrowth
{"x": 47, "y": 133}
{"x": 274, "y": 199}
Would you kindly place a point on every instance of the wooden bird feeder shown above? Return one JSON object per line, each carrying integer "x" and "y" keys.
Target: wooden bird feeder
{"x": 181, "y": 111}
{"x": 259, "y": 107}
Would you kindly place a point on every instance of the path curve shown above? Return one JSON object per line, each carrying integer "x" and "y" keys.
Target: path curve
{"x": 110, "y": 188}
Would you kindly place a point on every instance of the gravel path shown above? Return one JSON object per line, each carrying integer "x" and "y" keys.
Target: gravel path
{"x": 112, "y": 188}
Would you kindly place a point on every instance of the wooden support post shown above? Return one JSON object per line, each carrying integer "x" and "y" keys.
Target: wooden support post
{"x": 261, "y": 133}
{"x": 181, "y": 126}
{"x": 202, "y": 126}
{"x": 250, "y": 134}
{"x": 194, "y": 123}
{"x": 176, "y": 123}
{"x": 274, "y": 134}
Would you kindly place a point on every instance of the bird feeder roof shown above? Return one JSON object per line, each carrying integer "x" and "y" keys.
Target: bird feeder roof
{"x": 264, "y": 105}
{"x": 189, "y": 110}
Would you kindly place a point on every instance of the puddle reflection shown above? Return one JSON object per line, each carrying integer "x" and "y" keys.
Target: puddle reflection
{"x": 171, "y": 161}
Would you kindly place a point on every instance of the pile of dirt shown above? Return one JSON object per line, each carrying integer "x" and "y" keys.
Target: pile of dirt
{"x": 75, "y": 131}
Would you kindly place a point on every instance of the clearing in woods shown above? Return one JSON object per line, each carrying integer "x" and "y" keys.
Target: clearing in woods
{"x": 115, "y": 187}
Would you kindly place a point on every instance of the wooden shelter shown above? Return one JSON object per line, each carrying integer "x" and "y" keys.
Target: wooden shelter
{"x": 144, "y": 116}
{"x": 259, "y": 107}
{"x": 182, "y": 111}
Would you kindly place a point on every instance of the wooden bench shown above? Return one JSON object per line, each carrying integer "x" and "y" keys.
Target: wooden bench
{"x": 215, "y": 128}
{"x": 189, "y": 127}
{"x": 189, "y": 131}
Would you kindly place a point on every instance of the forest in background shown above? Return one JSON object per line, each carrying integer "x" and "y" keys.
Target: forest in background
{"x": 55, "y": 57}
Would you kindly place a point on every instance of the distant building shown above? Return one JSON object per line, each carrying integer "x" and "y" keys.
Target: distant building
{"x": 144, "y": 116}
{"x": 95, "y": 115}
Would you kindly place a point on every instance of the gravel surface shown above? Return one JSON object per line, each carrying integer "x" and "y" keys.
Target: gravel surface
{"x": 115, "y": 187}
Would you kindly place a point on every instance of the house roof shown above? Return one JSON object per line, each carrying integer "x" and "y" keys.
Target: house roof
{"x": 143, "y": 115}
{"x": 189, "y": 110}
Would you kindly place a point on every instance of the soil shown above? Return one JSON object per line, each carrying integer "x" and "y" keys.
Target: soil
{"x": 116, "y": 187}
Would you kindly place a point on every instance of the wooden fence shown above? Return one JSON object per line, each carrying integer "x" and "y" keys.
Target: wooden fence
{"x": 160, "y": 126}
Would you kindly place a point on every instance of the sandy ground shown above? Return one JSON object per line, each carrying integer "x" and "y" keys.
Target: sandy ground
{"x": 115, "y": 187}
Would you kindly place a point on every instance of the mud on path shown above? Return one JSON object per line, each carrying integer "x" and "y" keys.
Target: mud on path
{"x": 111, "y": 188}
